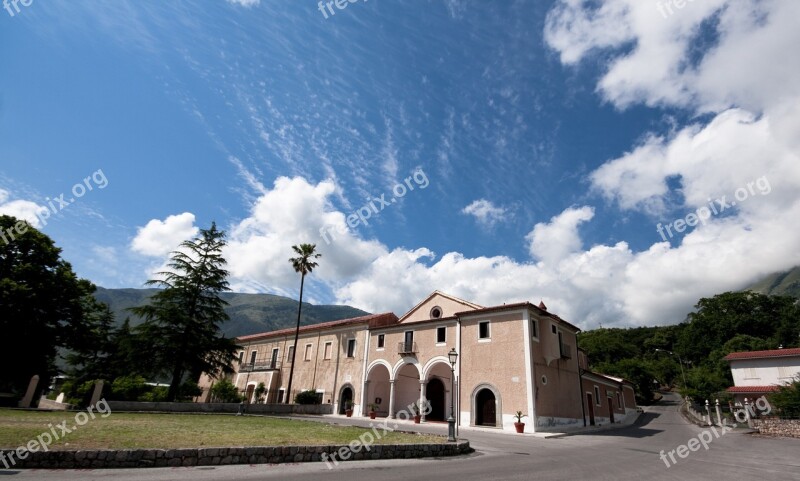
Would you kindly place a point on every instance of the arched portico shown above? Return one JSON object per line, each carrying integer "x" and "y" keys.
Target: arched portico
{"x": 377, "y": 387}
{"x": 437, "y": 388}
{"x": 405, "y": 387}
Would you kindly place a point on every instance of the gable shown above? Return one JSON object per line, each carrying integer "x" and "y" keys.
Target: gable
{"x": 448, "y": 306}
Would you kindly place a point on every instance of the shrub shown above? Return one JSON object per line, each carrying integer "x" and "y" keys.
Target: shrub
{"x": 306, "y": 397}
{"x": 787, "y": 400}
{"x": 224, "y": 391}
{"x": 155, "y": 394}
{"x": 128, "y": 388}
{"x": 188, "y": 390}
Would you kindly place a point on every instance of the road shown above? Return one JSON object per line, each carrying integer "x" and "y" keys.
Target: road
{"x": 630, "y": 453}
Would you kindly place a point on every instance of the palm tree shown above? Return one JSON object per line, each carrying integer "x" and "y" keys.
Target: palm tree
{"x": 304, "y": 265}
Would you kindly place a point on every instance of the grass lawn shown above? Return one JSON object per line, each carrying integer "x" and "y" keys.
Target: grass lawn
{"x": 134, "y": 430}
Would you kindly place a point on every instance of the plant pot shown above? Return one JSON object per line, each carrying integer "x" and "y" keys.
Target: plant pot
{"x": 372, "y": 414}
{"x": 520, "y": 427}
{"x": 348, "y": 413}
{"x": 417, "y": 419}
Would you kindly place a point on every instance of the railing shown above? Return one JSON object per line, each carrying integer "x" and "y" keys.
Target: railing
{"x": 260, "y": 366}
{"x": 566, "y": 351}
{"x": 406, "y": 347}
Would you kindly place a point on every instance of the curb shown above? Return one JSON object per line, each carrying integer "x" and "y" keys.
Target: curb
{"x": 156, "y": 458}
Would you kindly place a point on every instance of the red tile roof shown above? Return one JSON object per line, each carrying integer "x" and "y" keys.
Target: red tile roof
{"x": 752, "y": 389}
{"x": 763, "y": 354}
{"x": 374, "y": 320}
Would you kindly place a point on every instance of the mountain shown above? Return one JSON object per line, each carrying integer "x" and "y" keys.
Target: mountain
{"x": 779, "y": 284}
{"x": 249, "y": 313}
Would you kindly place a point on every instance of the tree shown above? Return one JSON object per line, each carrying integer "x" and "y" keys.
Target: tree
{"x": 224, "y": 391}
{"x": 787, "y": 399}
{"x": 44, "y": 305}
{"x": 181, "y": 322}
{"x": 304, "y": 265}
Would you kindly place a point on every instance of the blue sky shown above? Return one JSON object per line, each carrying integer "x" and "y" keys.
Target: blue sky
{"x": 545, "y": 142}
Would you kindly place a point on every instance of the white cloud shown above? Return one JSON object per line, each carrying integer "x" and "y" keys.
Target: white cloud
{"x": 245, "y": 3}
{"x": 21, "y": 209}
{"x": 486, "y": 213}
{"x": 554, "y": 241}
{"x": 159, "y": 238}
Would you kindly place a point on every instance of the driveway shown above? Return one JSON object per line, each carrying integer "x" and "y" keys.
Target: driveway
{"x": 630, "y": 453}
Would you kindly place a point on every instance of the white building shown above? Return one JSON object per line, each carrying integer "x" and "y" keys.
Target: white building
{"x": 756, "y": 373}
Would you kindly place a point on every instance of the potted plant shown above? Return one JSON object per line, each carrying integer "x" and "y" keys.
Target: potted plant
{"x": 372, "y": 408}
{"x": 349, "y": 408}
{"x": 519, "y": 425}
{"x": 416, "y": 413}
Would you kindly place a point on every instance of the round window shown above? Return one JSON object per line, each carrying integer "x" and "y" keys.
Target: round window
{"x": 436, "y": 312}
{"x": 544, "y": 379}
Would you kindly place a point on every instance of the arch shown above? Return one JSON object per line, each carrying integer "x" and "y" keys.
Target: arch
{"x": 426, "y": 370}
{"x": 380, "y": 362}
{"x": 402, "y": 362}
{"x": 480, "y": 408}
{"x": 346, "y": 393}
{"x": 435, "y": 393}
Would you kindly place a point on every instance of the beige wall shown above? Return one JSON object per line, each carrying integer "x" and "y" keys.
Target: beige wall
{"x": 557, "y": 400}
{"x": 601, "y": 406}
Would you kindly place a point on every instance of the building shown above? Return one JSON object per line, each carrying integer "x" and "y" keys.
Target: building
{"x": 756, "y": 373}
{"x": 511, "y": 357}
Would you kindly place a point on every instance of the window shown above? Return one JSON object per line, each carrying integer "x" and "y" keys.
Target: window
{"x": 307, "y": 355}
{"x": 381, "y": 341}
{"x": 436, "y": 312}
{"x": 351, "y": 348}
{"x": 535, "y": 329}
{"x": 597, "y": 395}
{"x": 281, "y": 393}
{"x": 483, "y": 330}
{"x": 619, "y": 399}
{"x": 253, "y": 357}
{"x": 290, "y": 354}
{"x": 441, "y": 335}
{"x": 750, "y": 373}
{"x": 327, "y": 351}
{"x": 274, "y": 361}
{"x": 241, "y": 356}
{"x": 553, "y": 328}
{"x": 784, "y": 371}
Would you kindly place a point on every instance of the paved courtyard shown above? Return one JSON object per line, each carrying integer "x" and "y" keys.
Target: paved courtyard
{"x": 630, "y": 453}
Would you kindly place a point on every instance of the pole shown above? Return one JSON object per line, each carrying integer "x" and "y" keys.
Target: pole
{"x": 451, "y": 422}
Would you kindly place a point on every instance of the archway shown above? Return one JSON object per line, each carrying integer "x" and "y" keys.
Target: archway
{"x": 435, "y": 393}
{"x": 378, "y": 389}
{"x": 345, "y": 398}
{"x": 485, "y": 408}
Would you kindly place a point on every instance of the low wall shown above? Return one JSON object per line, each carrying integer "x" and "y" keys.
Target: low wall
{"x": 142, "y": 458}
{"x": 778, "y": 427}
{"x": 45, "y": 403}
{"x": 120, "y": 406}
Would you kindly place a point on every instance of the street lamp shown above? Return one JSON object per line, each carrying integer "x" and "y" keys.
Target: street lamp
{"x": 451, "y": 422}
{"x": 683, "y": 374}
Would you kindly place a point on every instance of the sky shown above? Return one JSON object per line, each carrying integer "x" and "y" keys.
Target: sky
{"x": 615, "y": 159}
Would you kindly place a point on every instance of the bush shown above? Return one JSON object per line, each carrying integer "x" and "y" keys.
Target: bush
{"x": 225, "y": 392}
{"x": 188, "y": 390}
{"x": 128, "y": 388}
{"x": 155, "y": 394}
{"x": 787, "y": 400}
{"x": 306, "y": 397}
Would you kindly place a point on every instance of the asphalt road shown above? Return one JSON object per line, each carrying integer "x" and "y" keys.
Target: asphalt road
{"x": 631, "y": 453}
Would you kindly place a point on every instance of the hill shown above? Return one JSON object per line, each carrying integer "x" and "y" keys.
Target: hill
{"x": 779, "y": 284}
{"x": 249, "y": 313}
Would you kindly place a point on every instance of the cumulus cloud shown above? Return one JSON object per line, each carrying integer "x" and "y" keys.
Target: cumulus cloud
{"x": 552, "y": 242}
{"x": 21, "y": 209}
{"x": 158, "y": 238}
{"x": 486, "y": 213}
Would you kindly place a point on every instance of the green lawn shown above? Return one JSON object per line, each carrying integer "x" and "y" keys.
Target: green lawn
{"x": 134, "y": 430}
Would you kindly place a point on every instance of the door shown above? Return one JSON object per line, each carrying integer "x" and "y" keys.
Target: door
{"x": 486, "y": 408}
{"x": 434, "y": 391}
{"x": 347, "y": 397}
{"x": 590, "y": 403}
{"x": 274, "y": 361}
{"x": 409, "y": 341}
{"x": 611, "y": 409}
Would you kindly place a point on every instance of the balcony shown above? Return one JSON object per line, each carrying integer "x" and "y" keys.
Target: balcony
{"x": 260, "y": 366}
{"x": 565, "y": 350}
{"x": 406, "y": 348}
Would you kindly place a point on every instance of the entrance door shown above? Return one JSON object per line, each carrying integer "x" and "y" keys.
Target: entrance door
{"x": 434, "y": 391}
{"x": 347, "y": 397}
{"x": 611, "y": 409}
{"x": 590, "y": 403}
{"x": 485, "y": 408}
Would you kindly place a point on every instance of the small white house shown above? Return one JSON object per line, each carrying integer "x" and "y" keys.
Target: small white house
{"x": 756, "y": 373}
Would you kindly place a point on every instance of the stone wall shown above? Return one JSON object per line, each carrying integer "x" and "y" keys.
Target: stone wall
{"x": 778, "y": 427}
{"x": 121, "y": 406}
{"x": 136, "y": 458}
